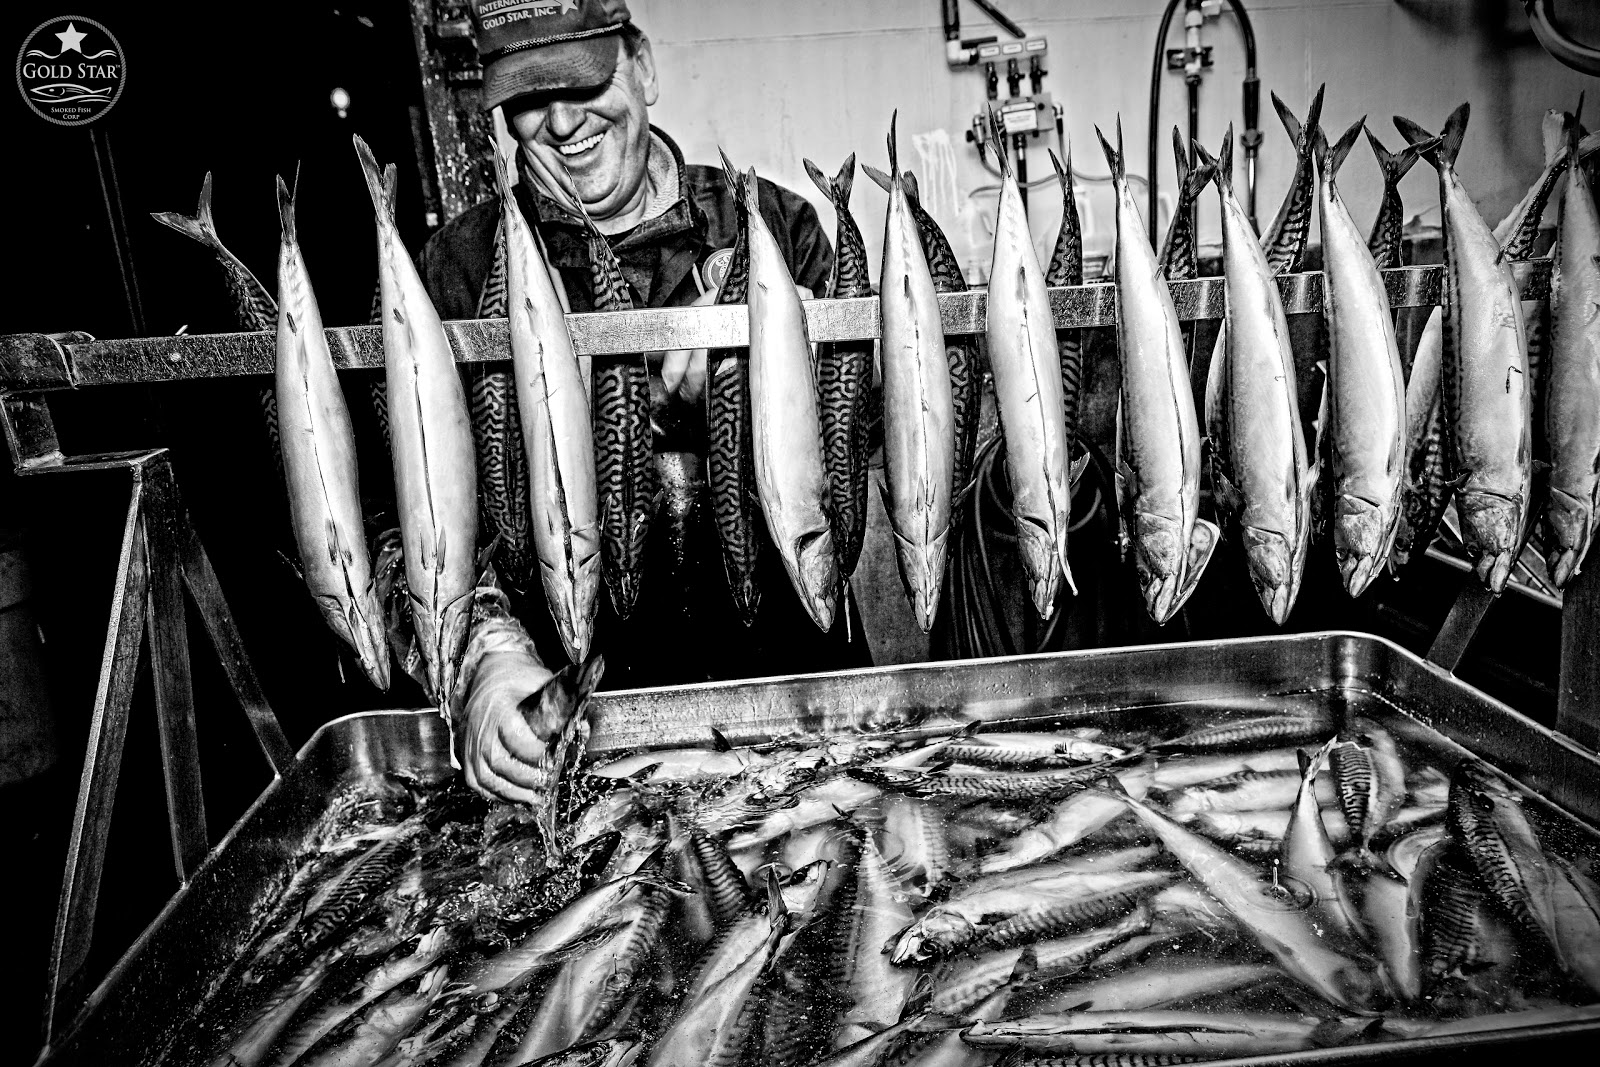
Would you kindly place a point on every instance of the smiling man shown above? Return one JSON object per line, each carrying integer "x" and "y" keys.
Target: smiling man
{"x": 579, "y": 77}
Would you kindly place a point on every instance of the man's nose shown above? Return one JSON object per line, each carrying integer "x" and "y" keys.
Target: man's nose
{"x": 564, "y": 118}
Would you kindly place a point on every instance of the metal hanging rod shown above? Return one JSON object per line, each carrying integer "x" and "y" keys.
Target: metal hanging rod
{"x": 35, "y": 362}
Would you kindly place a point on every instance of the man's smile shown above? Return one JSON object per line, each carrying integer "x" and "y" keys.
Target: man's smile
{"x": 578, "y": 148}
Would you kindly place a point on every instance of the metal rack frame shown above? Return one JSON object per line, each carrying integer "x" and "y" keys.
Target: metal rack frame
{"x": 160, "y": 548}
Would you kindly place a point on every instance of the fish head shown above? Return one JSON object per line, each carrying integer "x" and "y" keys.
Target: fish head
{"x": 1043, "y": 555}
{"x": 370, "y": 640}
{"x": 927, "y": 938}
{"x": 1571, "y": 529}
{"x": 1362, "y": 535}
{"x": 1160, "y": 559}
{"x": 1274, "y": 569}
{"x": 816, "y": 575}
{"x": 1491, "y": 526}
{"x": 922, "y": 573}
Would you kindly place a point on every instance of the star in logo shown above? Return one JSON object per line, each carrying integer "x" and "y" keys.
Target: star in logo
{"x": 568, "y": 5}
{"x": 71, "y": 39}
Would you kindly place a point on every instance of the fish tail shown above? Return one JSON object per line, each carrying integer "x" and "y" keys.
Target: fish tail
{"x": 879, "y": 178}
{"x": 1224, "y": 162}
{"x": 1291, "y": 125}
{"x": 1063, "y": 172}
{"x": 729, "y": 172}
{"x": 997, "y": 134}
{"x": 1313, "y": 116}
{"x": 286, "y": 210}
{"x": 1207, "y": 161}
{"x": 377, "y": 184}
{"x": 1119, "y": 171}
{"x": 502, "y": 176}
{"x": 845, "y": 181}
{"x": 894, "y": 149}
{"x": 1180, "y": 157}
{"x": 1330, "y": 159}
{"x": 821, "y": 180}
{"x": 202, "y": 227}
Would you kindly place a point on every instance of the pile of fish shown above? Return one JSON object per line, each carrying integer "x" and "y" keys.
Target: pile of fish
{"x": 1152, "y": 886}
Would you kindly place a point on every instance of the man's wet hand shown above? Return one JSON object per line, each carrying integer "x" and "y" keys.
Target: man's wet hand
{"x": 498, "y": 751}
{"x": 684, "y": 372}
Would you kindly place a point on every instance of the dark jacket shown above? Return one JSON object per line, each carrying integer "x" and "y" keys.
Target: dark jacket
{"x": 674, "y": 636}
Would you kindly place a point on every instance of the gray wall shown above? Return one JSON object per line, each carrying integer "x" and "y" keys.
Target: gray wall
{"x": 773, "y": 81}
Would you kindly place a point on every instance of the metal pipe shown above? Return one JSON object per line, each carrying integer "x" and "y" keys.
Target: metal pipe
{"x": 1157, "y": 65}
{"x": 1564, "y": 49}
{"x": 1000, "y": 18}
{"x": 26, "y": 366}
{"x": 1251, "y": 138}
{"x": 1019, "y": 156}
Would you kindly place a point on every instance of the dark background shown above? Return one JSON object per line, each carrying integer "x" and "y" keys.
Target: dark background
{"x": 247, "y": 99}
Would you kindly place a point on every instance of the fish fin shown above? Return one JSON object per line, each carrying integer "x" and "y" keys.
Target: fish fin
{"x": 1313, "y": 116}
{"x": 1330, "y": 159}
{"x": 1291, "y": 125}
{"x": 777, "y": 907}
{"x": 821, "y": 180}
{"x": 1027, "y": 963}
{"x": 719, "y": 740}
{"x": 598, "y": 854}
{"x": 1113, "y": 155}
{"x": 1388, "y": 162}
{"x": 1063, "y": 174}
{"x": 1207, "y": 160}
{"x": 1180, "y": 158}
{"x": 376, "y": 186}
{"x": 997, "y": 134}
{"x": 1224, "y": 162}
{"x": 894, "y": 148}
{"x": 1303, "y": 758}
{"x": 845, "y": 181}
{"x": 286, "y": 211}
{"x": 202, "y": 227}
{"x": 589, "y": 676}
{"x": 879, "y": 178}
{"x": 921, "y": 997}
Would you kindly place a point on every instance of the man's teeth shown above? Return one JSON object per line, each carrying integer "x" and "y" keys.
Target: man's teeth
{"x": 579, "y": 146}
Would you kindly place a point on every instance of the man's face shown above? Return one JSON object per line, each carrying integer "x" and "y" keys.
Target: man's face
{"x": 602, "y": 134}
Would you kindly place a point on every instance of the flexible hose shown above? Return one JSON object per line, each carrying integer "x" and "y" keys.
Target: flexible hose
{"x": 1252, "y": 102}
{"x": 1564, "y": 49}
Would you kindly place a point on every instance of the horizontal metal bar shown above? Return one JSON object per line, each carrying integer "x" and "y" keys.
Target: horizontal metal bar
{"x": 158, "y": 359}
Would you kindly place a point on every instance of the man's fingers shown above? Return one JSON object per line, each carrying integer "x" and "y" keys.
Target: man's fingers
{"x": 494, "y": 785}
{"x": 694, "y": 379}
{"x": 518, "y": 740}
{"x": 674, "y": 365}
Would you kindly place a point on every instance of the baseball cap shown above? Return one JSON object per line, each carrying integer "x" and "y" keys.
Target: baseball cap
{"x": 533, "y": 46}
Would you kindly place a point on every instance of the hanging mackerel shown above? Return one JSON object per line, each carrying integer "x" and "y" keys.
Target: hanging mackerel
{"x": 1180, "y": 259}
{"x": 1572, "y": 405}
{"x": 1066, "y": 268}
{"x": 624, "y": 445}
{"x": 253, "y": 307}
{"x": 1366, "y": 386}
{"x": 1158, "y": 462}
{"x": 844, "y": 374}
{"x": 434, "y": 466}
{"x": 730, "y": 470}
{"x": 1487, "y": 402}
{"x": 786, "y": 430}
{"x": 919, "y": 435}
{"x": 319, "y": 463}
{"x": 1269, "y": 474}
{"x": 1284, "y": 245}
{"x": 503, "y": 501}
{"x": 961, "y": 353}
{"x": 553, "y": 410}
{"x": 1027, "y": 384}
{"x": 1386, "y": 242}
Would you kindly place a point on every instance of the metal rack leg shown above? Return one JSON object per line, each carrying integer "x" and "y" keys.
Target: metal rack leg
{"x": 170, "y": 671}
{"x": 97, "y": 786}
{"x": 1578, "y": 697}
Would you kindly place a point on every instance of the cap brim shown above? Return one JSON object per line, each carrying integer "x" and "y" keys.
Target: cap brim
{"x": 582, "y": 64}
